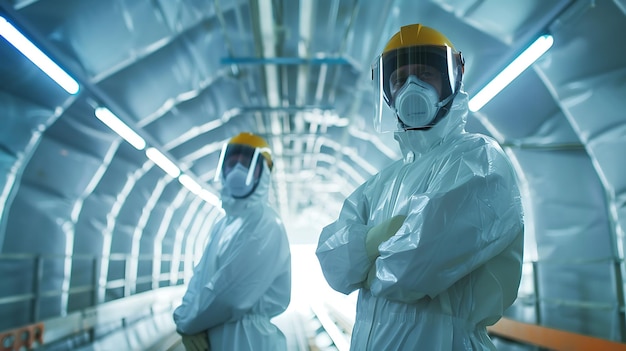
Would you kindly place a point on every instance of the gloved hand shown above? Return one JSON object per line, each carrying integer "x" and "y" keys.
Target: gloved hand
{"x": 380, "y": 233}
{"x": 196, "y": 342}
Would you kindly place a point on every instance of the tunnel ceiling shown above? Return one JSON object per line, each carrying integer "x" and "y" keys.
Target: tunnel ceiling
{"x": 189, "y": 74}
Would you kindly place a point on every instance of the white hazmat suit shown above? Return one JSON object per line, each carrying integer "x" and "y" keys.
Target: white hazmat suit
{"x": 454, "y": 264}
{"x": 243, "y": 278}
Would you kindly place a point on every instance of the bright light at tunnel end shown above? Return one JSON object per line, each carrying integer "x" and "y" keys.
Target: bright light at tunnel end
{"x": 514, "y": 69}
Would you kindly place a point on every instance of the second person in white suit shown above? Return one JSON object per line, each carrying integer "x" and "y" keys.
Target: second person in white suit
{"x": 244, "y": 276}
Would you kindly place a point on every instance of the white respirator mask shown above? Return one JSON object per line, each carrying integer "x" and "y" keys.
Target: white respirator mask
{"x": 238, "y": 182}
{"x": 416, "y": 103}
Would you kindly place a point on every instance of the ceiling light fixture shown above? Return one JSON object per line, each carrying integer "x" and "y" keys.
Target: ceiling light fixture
{"x": 32, "y": 52}
{"x": 514, "y": 69}
{"x": 112, "y": 121}
{"x": 210, "y": 198}
{"x": 163, "y": 162}
{"x": 189, "y": 183}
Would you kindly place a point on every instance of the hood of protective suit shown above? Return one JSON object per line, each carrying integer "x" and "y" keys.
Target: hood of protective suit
{"x": 260, "y": 194}
{"x": 415, "y": 142}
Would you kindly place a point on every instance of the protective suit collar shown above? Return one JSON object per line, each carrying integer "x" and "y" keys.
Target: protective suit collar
{"x": 259, "y": 195}
{"x": 416, "y": 142}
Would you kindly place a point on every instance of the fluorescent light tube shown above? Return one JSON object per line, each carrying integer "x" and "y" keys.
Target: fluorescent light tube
{"x": 28, "y": 49}
{"x": 189, "y": 183}
{"x": 163, "y": 162}
{"x": 514, "y": 69}
{"x": 112, "y": 121}
{"x": 210, "y": 198}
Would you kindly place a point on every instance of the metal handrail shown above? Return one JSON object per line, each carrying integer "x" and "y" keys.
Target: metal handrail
{"x": 144, "y": 305}
{"x": 125, "y": 282}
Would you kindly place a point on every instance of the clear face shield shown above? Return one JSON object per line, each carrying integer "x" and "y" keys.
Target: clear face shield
{"x": 239, "y": 169}
{"x": 412, "y": 84}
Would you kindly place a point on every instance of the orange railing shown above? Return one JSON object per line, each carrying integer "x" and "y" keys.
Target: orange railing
{"x": 25, "y": 336}
{"x": 553, "y": 339}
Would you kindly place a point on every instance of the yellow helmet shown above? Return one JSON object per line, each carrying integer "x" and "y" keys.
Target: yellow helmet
{"x": 254, "y": 141}
{"x": 414, "y": 35}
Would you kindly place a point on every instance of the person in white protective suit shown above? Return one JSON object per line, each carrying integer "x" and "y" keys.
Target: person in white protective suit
{"x": 434, "y": 242}
{"x": 244, "y": 276}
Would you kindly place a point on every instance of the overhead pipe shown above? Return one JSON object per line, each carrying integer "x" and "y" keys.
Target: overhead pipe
{"x": 285, "y": 61}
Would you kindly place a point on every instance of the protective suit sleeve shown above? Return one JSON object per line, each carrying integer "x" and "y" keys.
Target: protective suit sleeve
{"x": 341, "y": 246}
{"x": 255, "y": 255}
{"x": 470, "y": 214}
